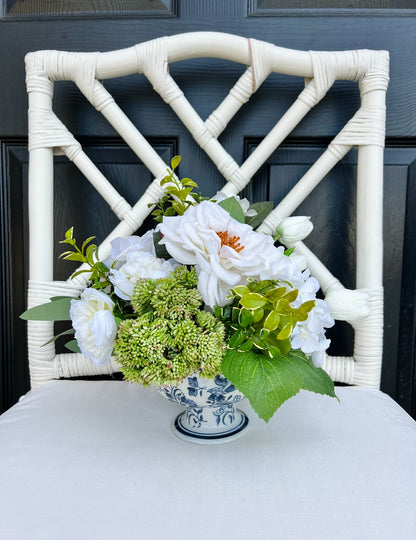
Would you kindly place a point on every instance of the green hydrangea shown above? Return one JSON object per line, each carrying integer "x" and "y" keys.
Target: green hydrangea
{"x": 171, "y": 337}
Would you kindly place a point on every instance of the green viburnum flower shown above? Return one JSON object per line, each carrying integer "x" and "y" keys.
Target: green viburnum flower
{"x": 171, "y": 337}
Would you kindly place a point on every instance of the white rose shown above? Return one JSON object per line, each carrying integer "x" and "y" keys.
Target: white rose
{"x": 95, "y": 327}
{"x": 223, "y": 250}
{"x": 138, "y": 265}
{"x": 293, "y": 229}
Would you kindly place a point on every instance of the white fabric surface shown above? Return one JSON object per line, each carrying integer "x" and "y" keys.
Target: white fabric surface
{"x": 97, "y": 460}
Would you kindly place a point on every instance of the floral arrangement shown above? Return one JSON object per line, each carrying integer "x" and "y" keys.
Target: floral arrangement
{"x": 202, "y": 292}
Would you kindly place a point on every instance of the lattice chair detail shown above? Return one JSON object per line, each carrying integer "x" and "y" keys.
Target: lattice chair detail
{"x": 49, "y": 136}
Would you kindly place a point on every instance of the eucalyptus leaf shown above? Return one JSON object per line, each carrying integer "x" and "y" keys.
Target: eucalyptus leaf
{"x": 263, "y": 209}
{"x": 269, "y": 382}
{"x": 232, "y": 206}
{"x": 66, "y": 333}
{"x": 57, "y": 310}
{"x": 73, "y": 346}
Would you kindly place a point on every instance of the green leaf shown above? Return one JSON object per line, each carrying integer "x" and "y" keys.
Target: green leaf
{"x": 165, "y": 180}
{"x": 245, "y": 318}
{"x": 306, "y": 307}
{"x": 272, "y": 320}
{"x": 275, "y": 294}
{"x": 291, "y": 295}
{"x": 90, "y": 252}
{"x": 240, "y": 290}
{"x": 160, "y": 249}
{"x": 246, "y": 346}
{"x": 268, "y": 382}
{"x": 233, "y": 208}
{"x": 236, "y": 339}
{"x": 66, "y": 333}
{"x": 175, "y": 162}
{"x": 86, "y": 242}
{"x": 72, "y": 256}
{"x": 178, "y": 207}
{"x": 252, "y": 301}
{"x": 188, "y": 182}
{"x": 58, "y": 310}
{"x": 258, "y": 314}
{"x": 73, "y": 346}
{"x": 285, "y": 331}
{"x": 69, "y": 234}
{"x": 263, "y": 209}
{"x": 289, "y": 251}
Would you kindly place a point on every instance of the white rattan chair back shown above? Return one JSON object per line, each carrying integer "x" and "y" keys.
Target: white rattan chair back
{"x": 365, "y": 130}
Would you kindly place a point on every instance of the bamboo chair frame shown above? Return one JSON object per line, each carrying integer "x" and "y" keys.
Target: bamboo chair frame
{"x": 49, "y": 136}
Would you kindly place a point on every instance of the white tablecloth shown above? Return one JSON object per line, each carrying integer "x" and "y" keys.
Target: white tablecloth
{"x": 98, "y": 460}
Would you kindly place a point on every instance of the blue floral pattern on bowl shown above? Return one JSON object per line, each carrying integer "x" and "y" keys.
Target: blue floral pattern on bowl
{"x": 210, "y": 412}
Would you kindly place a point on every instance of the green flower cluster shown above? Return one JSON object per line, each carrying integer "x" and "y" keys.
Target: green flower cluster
{"x": 171, "y": 337}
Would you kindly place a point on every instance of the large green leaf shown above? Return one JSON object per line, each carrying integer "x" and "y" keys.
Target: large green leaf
{"x": 233, "y": 208}
{"x": 56, "y": 310}
{"x": 269, "y": 382}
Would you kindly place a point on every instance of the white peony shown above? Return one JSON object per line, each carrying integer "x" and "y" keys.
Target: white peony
{"x": 293, "y": 229}
{"x": 223, "y": 250}
{"x": 139, "y": 264}
{"x": 95, "y": 327}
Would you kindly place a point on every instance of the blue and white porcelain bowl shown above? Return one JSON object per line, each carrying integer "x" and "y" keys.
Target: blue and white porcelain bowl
{"x": 210, "y": 416}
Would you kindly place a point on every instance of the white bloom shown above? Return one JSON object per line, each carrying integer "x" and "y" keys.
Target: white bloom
{"x": 139, "y": 264}
{"x": 120, "y": 247}
{"x": 299, "y": 260}
{"x": 95, "y": 327}
{"x": 348, "y": 305}
{"x": 274, "y": 264}
{"x": 223, "y": 250}
{"x": 293, "y": 229}
{"x": 244, "y": 203}
{"x": 309, "y": 335}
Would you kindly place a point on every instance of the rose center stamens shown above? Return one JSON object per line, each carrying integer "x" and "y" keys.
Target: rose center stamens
{"x": 231, "y": 241}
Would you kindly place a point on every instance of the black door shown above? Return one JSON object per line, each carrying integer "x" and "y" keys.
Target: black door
{"x": 97, "y": 26}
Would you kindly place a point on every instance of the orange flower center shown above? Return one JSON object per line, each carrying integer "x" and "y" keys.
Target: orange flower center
{"x": 232, "y": 241}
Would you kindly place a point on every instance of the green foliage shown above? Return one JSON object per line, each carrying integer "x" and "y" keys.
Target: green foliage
{"x": 179, "y": 194}
{"x": 233, "y": 207}
{"x": 269, "y": 382}
{"x": 261, "y": 317}
{"x": 170, "y": 337}
{"x": 87, "y": 254}
{"x": 55, "y": 310}
{"x": 263, "y": 209}
{"x": 260, "y": 361}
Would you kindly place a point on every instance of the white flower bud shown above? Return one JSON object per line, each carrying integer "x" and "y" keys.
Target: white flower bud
{"x": 293, "y": 229}
{"x": 348, "y": 305}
